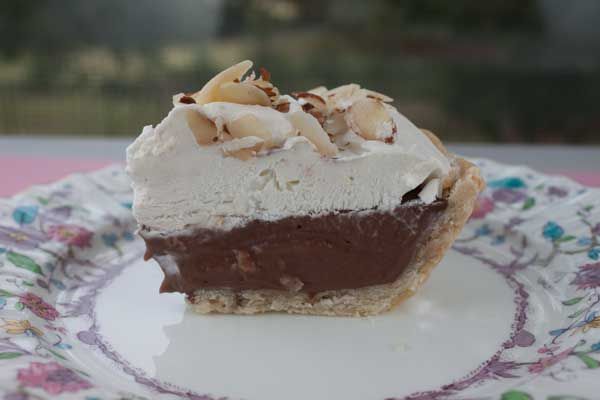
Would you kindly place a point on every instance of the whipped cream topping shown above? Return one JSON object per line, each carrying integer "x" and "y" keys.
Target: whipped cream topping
{"x": 179, "y": 183}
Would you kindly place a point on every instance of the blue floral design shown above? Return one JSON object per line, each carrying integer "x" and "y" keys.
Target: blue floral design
{"x": 483, "y": 230}
{"x": 553, "y": 231}
{"x": 594, "y": 253}
{"x": 128, "y": 236}
{"x": 110, "y": 239}
{"x": 507, "y": 183}
{"x": 25, "y": 214}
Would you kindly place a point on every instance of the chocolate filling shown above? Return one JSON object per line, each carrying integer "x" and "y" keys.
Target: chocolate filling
{"x": 342, "y": 250}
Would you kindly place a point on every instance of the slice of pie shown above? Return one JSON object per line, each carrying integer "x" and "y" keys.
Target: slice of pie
{"x": 325, "y": 202}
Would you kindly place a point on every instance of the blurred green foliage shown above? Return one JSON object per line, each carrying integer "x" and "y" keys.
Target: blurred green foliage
{"x": 496, "y": 70}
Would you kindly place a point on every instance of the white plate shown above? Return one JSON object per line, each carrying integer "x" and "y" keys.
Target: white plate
{"x": 511, "y": 313}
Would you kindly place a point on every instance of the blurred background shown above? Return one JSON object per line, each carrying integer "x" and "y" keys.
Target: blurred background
{"x": 473, "y": 71}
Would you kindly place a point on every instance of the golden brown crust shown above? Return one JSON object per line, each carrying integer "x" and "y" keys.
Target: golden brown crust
{"x": 462, "y": 186}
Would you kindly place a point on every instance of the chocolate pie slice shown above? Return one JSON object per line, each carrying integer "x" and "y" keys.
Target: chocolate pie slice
{"x": 324, "y": 202}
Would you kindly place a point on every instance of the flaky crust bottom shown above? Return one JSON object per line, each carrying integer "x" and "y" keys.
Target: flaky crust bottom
{"x": 461, "y": 188}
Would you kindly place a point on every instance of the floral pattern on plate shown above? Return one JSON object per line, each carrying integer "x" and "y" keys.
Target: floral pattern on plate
{"x": 62, "y": 243}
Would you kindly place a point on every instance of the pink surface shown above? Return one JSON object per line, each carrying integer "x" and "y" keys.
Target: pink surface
{"x": 18, "y": 173}
{"x": 585, "y": 177}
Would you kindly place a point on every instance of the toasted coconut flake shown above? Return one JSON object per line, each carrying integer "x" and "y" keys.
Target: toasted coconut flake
{"x": 260, "y": 83}
{"x": 267, "y": 87}
{"x": 249, "y": 125}
{"x": 370, "y": 119}
{"x": 308, "y": 96}
{"x": 319, "y": 91}
{"x": 224, "y": 134}
{"x": 342, "y": 97}
{"x": 306, "y": 107}
{"x": 243, "y": 93}
{"x": 283, "y": 107}
{"x": 269, "y": 91}
{"x": 375, "y": 95}
{"x": 344, "y": 91}
{"x": 314, "y": 100}
{"x": 187, "y": 100}
{"x": 264, "y": 74}
{"x": 202, "y": 127}
{"x": 243, "y": 148}
{"x": 335, "y": 123}
{"x": 318, "y": 115}
{"x": 209, "y": 92}
{"x": 310, "y": 128}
